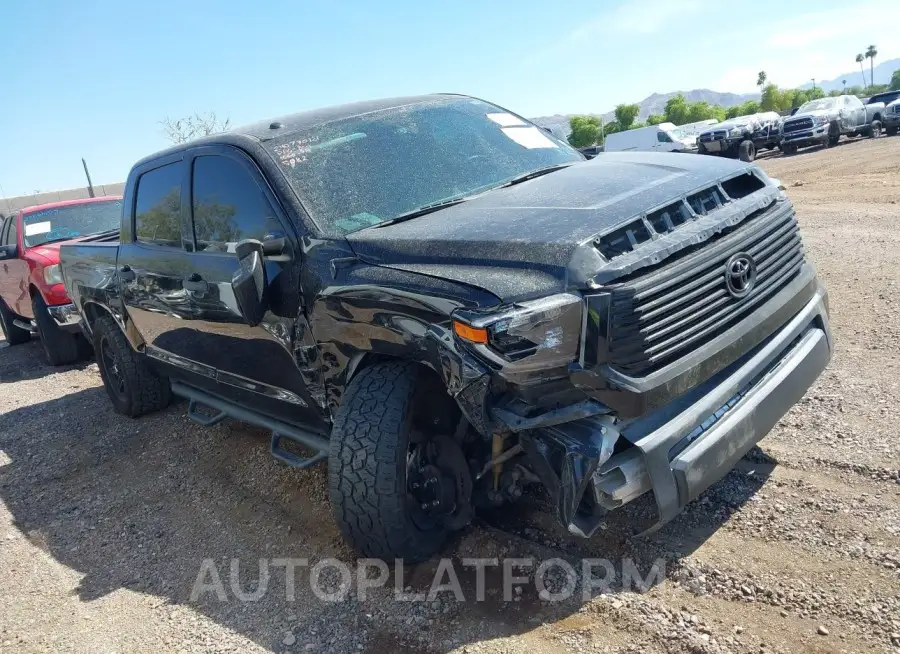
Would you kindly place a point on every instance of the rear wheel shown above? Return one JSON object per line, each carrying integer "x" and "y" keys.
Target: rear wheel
{"x": 60, "y": 347}
{"x": 747, "y": 150}
{"x": 397, "y": 489}
{"x": 834, "y": 135}
{"x": 133, "y": 386}
{"x": 14, "y": 335}
{"x": 875, "y": 129}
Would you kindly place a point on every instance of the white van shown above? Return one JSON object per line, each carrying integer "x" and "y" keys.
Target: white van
{"x": 665, "y": 137}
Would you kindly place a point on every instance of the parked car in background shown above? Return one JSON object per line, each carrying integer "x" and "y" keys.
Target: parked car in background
{"x": 32, "y": 296}
{"x": 448, "y": 305}
{"x": 824, "y": 120}
{"x": 892, "y": 118}
{"x": 665, "y": 137}
{"x": 591, "y": 151}
{"x": 741, "y": 137}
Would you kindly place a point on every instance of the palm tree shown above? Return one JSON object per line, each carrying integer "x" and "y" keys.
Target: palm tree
{"x": 871, "y": 53}
{"x": 845, "y": 85}
{"x": 761, "y": 79}
{"x": 859, "y": 60}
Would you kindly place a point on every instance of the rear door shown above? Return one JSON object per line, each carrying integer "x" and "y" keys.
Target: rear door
{"x": 230, "y": 201}
{"x": 154, "y": 260}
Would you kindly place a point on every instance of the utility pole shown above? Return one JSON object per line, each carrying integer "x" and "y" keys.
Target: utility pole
{"x": 88, "y": 175}
{"x": 814, "y": 83}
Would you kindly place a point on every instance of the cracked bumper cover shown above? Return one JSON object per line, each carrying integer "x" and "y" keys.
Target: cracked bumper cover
{"x": 683, "y": 447}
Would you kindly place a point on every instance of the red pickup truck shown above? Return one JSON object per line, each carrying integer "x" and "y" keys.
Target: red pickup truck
{"x": 32, "y": 297}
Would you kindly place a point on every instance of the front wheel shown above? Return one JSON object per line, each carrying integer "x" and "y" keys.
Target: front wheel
{"x": 14, "y": 335}
{"x": 396, "y": 491}
{"x": 132, "y": 385}
{"x": 788, "y": 148}
{"x": 834, "y": 135}
{"x": 60, "y": 347}
{"x": 747, "y": 150}
{"x": 892, "y": 131}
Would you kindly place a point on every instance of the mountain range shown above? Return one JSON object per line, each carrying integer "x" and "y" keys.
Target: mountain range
{"x": 883, "y": 72}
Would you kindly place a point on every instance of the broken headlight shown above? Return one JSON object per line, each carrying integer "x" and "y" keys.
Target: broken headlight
{"x": 537, "y": 333}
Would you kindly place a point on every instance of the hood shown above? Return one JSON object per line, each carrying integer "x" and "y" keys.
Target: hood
{"x": 524, "y": 241}
{"x": 812, "y": 114}
{"x": 49, "y": 252}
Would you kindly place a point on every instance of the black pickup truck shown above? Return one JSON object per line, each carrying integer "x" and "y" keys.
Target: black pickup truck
{"x": 447, "y": 304}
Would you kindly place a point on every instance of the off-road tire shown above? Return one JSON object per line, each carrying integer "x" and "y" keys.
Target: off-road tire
{"x": 747, "y": 150}
{"x": 14, "y": 335}
{"x": 701, "y": 149}
{"x": 143, "y": 390}
{"x": 367, "y": 466}
{"x": 789, "y": 149}
{"x": 60, "y": 347}
{"x": 834, "y": 135}
{"x": 891, "y": 131}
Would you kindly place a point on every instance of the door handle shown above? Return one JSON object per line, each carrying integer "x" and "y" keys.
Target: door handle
{"x": 195, "y": 283}
{"x": 126, "y": 273}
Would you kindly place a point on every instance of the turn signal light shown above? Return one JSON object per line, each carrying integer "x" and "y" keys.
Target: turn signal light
{"x": 471, "y": 334}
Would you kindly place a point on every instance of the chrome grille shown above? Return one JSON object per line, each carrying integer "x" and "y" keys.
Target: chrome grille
{"x": 657, "y": 318}
{"x": 798, "y": 124}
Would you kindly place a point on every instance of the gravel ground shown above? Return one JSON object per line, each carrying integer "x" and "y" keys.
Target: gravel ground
{"x": 105, "y": 522}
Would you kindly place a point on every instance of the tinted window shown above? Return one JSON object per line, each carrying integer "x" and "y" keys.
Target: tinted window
{"x": 157, "y": 212}
{"x": 363, "y": 170}
{"x": 228, "y": 205}
{"x": 662, "y": 137}
{"x": 71, "y": 221}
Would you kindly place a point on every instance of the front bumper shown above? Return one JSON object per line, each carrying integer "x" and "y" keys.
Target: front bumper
{"x": 806, "y": 137}
{"x": 682, "y": 448}
{"x": 66, "y": 317}
{"x": 891, "y": 120}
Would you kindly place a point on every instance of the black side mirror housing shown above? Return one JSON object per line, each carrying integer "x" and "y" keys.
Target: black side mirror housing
{"x": 249, "y": 281}
{"x": 8, "y": 252}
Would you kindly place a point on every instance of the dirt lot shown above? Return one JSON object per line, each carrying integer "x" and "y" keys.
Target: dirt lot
{"x": 105, "y": 522}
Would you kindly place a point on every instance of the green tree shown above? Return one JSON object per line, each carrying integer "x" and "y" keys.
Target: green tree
{"x": 859, "y": 59}
{"x": 770, "y": 98}
{"x": 676, "y": 109}
{"x": 761, "y": 79}
{"x": 585, "y": 131}
{"x": 895, "y": 80}
{"x": 656, "y": 119}
{"x": 748, "y": 108}
{"x": 834, "y": 93}
{"x": 871, "y": 53}
{"x": 733, "y": 112}
{"x": 626, "y": 114}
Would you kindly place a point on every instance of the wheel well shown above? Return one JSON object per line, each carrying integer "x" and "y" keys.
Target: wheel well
{"x": 92, "y": 311}
{"x": 876, "y": 117}
{"x": 442, "y": 413}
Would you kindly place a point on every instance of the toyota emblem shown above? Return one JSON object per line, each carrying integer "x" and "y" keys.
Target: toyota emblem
{"x": 740, "y": 274}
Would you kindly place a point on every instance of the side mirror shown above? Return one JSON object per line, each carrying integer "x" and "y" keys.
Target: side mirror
{"x": 8, "y": 252}
{"x": 249, "y": 281}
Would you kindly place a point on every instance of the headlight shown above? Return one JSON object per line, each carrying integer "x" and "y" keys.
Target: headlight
{"x": 539, "y": 333}
{"x": 735, "y": 131}
{"x": 821, "y": 120}
{"x": 52, "y": 275}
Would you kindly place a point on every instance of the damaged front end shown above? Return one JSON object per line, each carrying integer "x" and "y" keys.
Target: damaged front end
{"x": 659, "y": 375}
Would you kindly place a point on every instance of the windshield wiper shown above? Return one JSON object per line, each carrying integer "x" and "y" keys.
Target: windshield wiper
{"x": 524, "y": 177}
{"x": 421, "y": 211}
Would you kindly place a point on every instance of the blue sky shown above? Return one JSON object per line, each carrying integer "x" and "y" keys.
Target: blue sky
{"x": 93, "y": 78}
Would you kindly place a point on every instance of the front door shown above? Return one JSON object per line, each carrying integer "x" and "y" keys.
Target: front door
{"x": 229, "y": 202}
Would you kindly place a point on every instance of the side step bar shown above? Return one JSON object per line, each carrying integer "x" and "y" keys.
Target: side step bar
{"x": 280, "y": 430}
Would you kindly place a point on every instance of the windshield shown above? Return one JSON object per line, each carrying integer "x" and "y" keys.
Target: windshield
{"x": 71, "y": 221}
{"x": 361, "y": 171}
{"x": 817, "y": 105}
